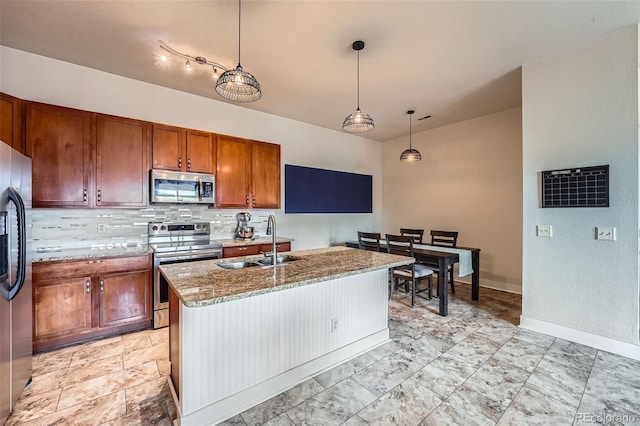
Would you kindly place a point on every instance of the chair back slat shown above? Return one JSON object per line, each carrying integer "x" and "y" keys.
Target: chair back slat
{"x": 400, "y": 244}
{"x": 444, "y": 238}
{"x": 417, "y": 234}
{"x": 369, "y": 241}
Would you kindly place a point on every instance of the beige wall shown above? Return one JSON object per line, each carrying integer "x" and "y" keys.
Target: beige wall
{"x": 469, "y": 180}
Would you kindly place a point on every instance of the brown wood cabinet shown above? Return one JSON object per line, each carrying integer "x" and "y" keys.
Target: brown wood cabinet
{"x": 80, "y": 300}
{"x": 60, "y": 307}
{"x": 248, "y": 173}
{"x": 122, "y": 161}
{"x": 252, "y": 249}
{"x": 59, "y": 143}
{"x": 175, "y": 148}
{"x": 123, "y": 298}
{"x": 11, "y": 122}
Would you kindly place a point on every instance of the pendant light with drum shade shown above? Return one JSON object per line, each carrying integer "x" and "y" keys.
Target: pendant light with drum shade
{"x": 358, "y": 122}
{"x": 237, "y": 84}
{"x": 410, "y": 155}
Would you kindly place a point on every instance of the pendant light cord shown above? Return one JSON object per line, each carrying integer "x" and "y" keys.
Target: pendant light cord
{"x": 358, "y": 81}
{"x": 410, "y": 131}
{"x": 239, "y": 13}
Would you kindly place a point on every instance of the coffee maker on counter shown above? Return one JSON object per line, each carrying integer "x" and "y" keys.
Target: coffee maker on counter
{"x": 244, "y": 231}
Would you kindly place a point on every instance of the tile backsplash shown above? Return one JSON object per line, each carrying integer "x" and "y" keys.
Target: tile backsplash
{"x": 61, "y": 229}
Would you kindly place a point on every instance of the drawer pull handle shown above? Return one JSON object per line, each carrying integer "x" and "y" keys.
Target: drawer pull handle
{"x": 188, "y": 163}
{"x": 180, "y": 162}
{"x": 101, "y": 285}
{"x": 242, "y": 248}
{"x": 94, "y": 261}
{"x": 247, "y": 199}
{"x": 87, "y": 286}
{"x": 254, "y": 200}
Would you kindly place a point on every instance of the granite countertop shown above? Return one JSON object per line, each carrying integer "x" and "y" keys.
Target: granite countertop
{"x": 203, "y": 283}
{"x": 260, "y": 240}
{"x": 89, "y": 253}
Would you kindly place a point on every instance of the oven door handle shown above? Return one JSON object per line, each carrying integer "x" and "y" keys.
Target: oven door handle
{"x": 200, "y": 254}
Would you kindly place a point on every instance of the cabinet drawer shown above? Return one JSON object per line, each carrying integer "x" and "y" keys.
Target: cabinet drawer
{"x": 279, "y": 247}
{"x": 75, "y": 268}
{"x": 240, "y": 251}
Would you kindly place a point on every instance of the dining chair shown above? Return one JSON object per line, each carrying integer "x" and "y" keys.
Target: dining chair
{"x": 369, "y": 241}
{"x": 417, "y": 234}
{"x": 403, "y": 245}
{"x": 444, "y": 239}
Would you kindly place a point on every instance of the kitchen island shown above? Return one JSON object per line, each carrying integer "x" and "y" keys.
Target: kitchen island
{"x": 239, "y": 337}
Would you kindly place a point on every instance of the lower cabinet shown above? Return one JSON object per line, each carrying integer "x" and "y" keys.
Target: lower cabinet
{"x": 80, "y": 300}
{"x": 251, "y": 249}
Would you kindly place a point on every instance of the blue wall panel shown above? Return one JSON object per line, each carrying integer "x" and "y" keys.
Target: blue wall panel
{"x": 311, "y": 190}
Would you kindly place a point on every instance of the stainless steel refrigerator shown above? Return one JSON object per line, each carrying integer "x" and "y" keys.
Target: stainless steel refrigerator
{"x": 15, "y": 277}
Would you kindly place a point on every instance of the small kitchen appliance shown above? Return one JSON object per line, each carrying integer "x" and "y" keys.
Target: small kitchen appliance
{"x": 244, "y": 231}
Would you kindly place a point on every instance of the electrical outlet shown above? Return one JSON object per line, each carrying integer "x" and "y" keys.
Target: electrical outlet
{"x": 544, "y": 231}
{"x": 334, "y": 325}
{"x": 605, "y": 233}
{"x": 102, "y": 228}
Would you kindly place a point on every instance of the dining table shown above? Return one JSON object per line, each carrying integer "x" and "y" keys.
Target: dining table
{"x": 444, "y": 259}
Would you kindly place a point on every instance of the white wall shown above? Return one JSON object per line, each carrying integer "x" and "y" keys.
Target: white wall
{"x": 470, "y": 181}
{"x": 42, "y": 79}
{"x": 580, "y": 108}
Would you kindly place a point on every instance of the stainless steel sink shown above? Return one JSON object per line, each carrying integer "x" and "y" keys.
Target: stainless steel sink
{"x": 283, "y": 258}
{"x": 239, "y": 264}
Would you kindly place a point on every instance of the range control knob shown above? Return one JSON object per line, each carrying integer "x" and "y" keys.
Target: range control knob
{"x": 154, "y": 228}
{"x": 163, "y": 228}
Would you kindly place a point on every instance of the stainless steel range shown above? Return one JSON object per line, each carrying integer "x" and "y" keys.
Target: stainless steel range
{"x": 176, "y": 243}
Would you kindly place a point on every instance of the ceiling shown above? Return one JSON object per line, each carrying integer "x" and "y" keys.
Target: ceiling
{"x": 451, "y": 60}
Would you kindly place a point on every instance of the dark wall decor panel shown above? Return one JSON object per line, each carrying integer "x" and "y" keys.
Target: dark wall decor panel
{"x": 579, "y": 187}
{"x": 311, "y": 190}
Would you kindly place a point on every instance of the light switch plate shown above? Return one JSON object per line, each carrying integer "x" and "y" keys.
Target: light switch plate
{"x": 544, "y": 231}
{"x": 102, "y": 228}
{"x": 605, "y": 233}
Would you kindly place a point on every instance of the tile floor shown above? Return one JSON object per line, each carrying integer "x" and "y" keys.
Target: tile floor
{"x": 474, "y": 367}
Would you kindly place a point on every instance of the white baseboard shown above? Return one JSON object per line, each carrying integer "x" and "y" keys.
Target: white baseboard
{"x": 494, "y": 285}
{"x": 599, "y": 342}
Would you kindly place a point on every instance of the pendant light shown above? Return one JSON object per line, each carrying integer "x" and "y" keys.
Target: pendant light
{"x": 237, "y": 84}
{"x": 358, "y": 122}
{"x": 410, "y": 155}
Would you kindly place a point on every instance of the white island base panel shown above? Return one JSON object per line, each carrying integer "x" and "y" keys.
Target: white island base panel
{"x": 237, "y": 354}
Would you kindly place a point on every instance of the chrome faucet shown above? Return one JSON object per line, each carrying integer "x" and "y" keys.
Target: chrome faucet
{"x": 271, "y": 230}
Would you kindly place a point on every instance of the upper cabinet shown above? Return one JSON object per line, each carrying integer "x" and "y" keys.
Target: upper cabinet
{"x": 11, "y": 122}
{"x": 122, "y": 161}
{"x": 81, "y": 159}
{"x": 248, "y": 173}
{"x": 265, "y": 175}
{"x": 59, "y": 143}
{"x": 186, "y": 150}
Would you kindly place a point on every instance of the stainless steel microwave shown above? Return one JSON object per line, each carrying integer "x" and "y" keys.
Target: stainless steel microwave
{"x": 169, "y": 186}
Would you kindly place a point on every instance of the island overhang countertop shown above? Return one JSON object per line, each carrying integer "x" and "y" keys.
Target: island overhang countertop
{"x": 202, "y": 283}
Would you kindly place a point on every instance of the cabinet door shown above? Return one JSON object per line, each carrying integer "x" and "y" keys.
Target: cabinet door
{"x": 122, "y": 169}
{"x": 11, "y": 122}
{"x": 58, "y": 141}
{"x": 232, "y": 177}
{"x": 168, "y": 142}
{"x": 61, "y": 307}
{"x": 199, "y": 155}
{"x": 265, "y": 175}
{"x": 124, "y": 298}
